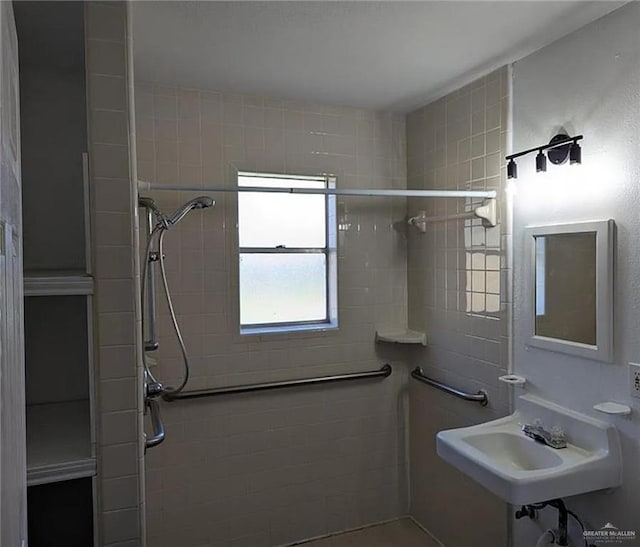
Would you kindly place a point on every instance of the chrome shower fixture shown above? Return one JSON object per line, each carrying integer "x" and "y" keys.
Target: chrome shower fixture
{"x": 164, "y": 221}
{"x": 150, "y": 205}
{"x": 158, "y": 224}
{"x": 201, "y": 202}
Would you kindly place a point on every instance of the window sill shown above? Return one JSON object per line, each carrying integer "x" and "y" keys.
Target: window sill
{"x": 289, "y": 329}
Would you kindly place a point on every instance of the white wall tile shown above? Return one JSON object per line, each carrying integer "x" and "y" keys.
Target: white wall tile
{"x": 458, "y": 304}
{"x": 113, "y": 252}
{"x": 283, "y": 447}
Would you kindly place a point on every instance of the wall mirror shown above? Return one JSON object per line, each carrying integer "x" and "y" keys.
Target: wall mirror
{"x": 570, "y": 288}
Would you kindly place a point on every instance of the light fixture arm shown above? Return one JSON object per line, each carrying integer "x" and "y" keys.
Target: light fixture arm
{"x": 559, "y": 148}
{"x": 557, "y": 144}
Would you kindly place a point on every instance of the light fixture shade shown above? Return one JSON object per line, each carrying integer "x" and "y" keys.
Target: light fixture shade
{"x": 541, "y": 162}
{"x": 512, "y": 170}
{"x": 575, "y": 153}
{"x": 559, "y": 154}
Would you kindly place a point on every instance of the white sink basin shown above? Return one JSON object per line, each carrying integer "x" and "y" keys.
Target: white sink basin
{"x": 521, "y": 471}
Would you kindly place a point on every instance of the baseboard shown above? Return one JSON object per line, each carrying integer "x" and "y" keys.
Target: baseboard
{"x": 346, "y": 531}
{"x": 434, "y": 538}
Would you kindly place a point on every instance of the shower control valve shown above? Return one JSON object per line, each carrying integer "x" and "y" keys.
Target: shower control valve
{"x": 153, "y": 390}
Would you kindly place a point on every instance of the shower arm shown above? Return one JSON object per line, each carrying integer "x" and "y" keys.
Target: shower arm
{"x": 487, "y": 212}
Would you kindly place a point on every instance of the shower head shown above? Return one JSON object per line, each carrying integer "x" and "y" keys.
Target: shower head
{"x": 150, "y": 205}
{"x": 201, "y": 202}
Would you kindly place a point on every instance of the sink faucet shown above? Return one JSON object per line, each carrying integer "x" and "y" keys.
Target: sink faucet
{"x": 554, "y": 437}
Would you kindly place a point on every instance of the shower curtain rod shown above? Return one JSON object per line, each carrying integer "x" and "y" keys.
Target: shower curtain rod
{"x": 148, "y": 186}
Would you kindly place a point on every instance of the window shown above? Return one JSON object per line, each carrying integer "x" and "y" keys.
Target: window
{"x": 287, "y": 255}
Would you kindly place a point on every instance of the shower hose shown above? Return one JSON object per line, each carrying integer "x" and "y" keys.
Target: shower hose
{"x": 160, "y": 230}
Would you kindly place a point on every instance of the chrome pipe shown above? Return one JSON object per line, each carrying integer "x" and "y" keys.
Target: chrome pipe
{"x": 152, "y": 343}
{"x": 479, "y": 397}
{"x": 246, "y": 388}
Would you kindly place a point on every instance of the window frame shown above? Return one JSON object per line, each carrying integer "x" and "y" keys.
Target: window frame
{"x": 330, "y": 319}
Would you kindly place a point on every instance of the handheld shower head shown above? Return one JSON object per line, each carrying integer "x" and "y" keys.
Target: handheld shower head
{"x": 150, "y": 205}
{"x": 201, "y": 202}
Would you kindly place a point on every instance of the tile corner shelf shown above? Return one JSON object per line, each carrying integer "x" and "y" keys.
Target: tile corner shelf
{"x": 401, "y": 337}
{"x": 59, "y": 443}
{"x": 57, "y": 283}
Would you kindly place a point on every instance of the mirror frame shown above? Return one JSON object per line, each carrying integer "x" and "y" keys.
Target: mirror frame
{"x": 603, "y": 349}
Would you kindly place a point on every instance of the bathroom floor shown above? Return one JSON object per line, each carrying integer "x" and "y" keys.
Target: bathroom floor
{"x": 399, "y": 533}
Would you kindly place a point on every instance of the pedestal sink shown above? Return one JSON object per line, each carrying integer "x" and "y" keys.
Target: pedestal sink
{"x": 522, "y": 471}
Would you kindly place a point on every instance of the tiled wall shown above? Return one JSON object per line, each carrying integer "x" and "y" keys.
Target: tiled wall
{"x": 118, "y": 438}
{"x": 269, "y": 468}
{"x": 459, "y": 294}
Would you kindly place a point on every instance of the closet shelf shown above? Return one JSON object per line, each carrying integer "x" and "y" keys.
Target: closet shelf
{"x": 402, "y": 337}
{"x": 59, "y": 442}
{"x": 57, "y": 283}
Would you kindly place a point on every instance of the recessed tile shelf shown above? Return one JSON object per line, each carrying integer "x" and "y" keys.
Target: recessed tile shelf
{"x": 402, "y": 337}
{"x": 57, "y": 283}
{"x": 59, "y": 443}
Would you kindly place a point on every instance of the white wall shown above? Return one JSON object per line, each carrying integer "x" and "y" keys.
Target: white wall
{"x": 588, "y": 82}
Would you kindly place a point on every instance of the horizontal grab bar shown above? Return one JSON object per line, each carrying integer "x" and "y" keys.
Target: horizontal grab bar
{"x": 196, "y": 394}
{"x": 480, "y": 397}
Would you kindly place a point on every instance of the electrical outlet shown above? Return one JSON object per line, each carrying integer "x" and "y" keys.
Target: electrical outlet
{"x": 634, "y": 379}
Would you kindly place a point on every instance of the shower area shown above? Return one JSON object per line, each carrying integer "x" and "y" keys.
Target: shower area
{"x": 274, "y": 466}
{"x": 281, "y": 437}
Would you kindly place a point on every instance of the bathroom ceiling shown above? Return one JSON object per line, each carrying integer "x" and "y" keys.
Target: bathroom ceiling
{"x": 383, "y": 55}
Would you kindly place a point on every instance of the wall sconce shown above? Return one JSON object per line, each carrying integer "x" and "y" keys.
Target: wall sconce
{"x": 560, "y": 148}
